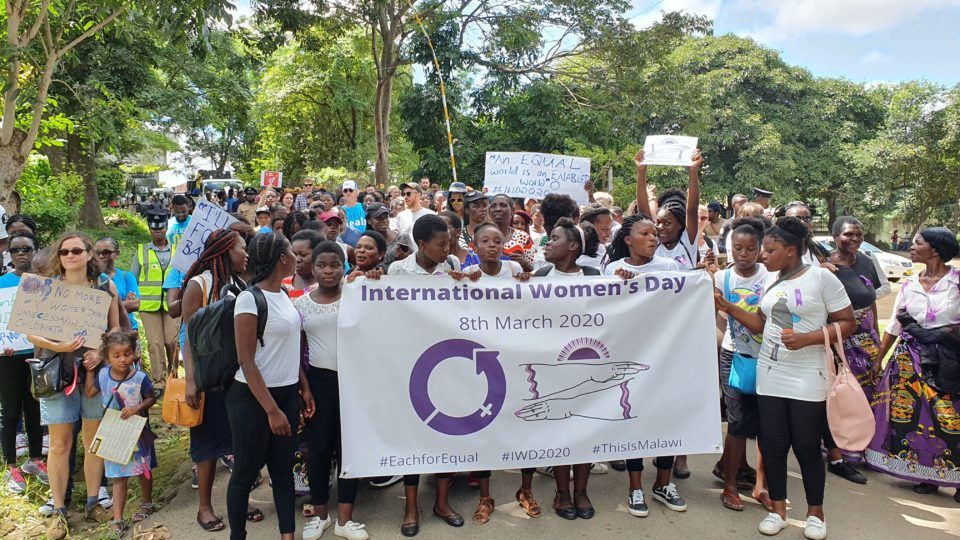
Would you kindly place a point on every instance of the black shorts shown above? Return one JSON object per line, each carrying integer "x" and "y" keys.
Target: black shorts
{"x": 743, "y": 418}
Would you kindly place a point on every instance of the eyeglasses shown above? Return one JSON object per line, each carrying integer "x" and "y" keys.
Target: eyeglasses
{"x": 73, "y": 251}
{"x": 308, "y": 185}
{"x": 410, "y": 193}
{"x": 106, "y": 252}
{"x": 348, "y": 190}
{"x": 805, "y": 219}
{"x": 14, "y": 251}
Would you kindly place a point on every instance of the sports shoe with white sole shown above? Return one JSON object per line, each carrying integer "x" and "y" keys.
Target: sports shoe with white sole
{"x": 23, "y": 448}
{"x": 351, "y": 530}
{"x": 47, "y": 508}
{"x": 772, "y": 524}
{"x": 670, "y": 497}
{"x": 815, "y": 529}
{"x": 637, "y": 504}
{"x": 385, "y": 481}
{"x": 45, "y": 445}
{"x": 598, "y": 468}
{"x": 16, "y": 483}
{"x": 314, "y": 527}
{"x": 36, "y": 467}
{"x": 104, "y": 499}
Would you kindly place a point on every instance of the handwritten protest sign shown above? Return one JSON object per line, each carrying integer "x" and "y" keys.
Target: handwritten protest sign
{"x": 206, "y": 218}
{"x": 271, "y": 179}
{"x": 669, "y": 150}
{"x": 8, "y": 338}
{"x": 55, "y": 309}
{"x": 534, "y": 175}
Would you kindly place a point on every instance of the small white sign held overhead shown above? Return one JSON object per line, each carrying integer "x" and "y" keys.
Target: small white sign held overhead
{"x": 533, "y": 175}
{"x": 669, "y": 150}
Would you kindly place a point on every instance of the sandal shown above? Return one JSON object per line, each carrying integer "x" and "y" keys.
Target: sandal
{"x": 309, "y": 511}
{"x": 145, "y": 510}
{"x": 528, "y": 502}
{"x": 746, "y": 478}
{"x": 255, "y": 516}
{"x": 764, "y": 498}
{"x": 117, "y": 529}
{"x": 212, "y": 526}
{"x": 484, "y": 509}
{"x": 731, "y": 501}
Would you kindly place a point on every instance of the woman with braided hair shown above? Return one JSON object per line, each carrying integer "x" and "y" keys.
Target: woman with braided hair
{"x": 224, "y": 257}
{"x": 264, "y": 398}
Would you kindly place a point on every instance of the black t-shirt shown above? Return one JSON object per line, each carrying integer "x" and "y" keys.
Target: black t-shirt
{"x": 860, "y": 281}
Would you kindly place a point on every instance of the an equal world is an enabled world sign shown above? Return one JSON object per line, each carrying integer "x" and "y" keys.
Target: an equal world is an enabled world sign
{"x": 499, "y": 374}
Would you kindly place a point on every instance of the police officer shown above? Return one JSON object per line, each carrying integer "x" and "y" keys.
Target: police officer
{"x": 248, "y": 208}
{"x": 150, "y": 266}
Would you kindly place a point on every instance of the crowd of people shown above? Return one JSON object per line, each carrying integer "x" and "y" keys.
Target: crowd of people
{"x": 289, "y": 255}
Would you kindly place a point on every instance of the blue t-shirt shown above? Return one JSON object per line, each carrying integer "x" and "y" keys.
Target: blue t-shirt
{"x": 356, "y": 217}
{"x": 174, "y": 280}
{"x": 126, "y": 283}
{"x": 175, "y": 230}
{"x": 232, "y": 204}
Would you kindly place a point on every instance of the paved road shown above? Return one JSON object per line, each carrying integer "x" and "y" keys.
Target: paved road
{"x": 883, "y": 509}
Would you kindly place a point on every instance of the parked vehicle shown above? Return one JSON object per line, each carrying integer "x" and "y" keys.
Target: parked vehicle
{"x": 894, "y": 266}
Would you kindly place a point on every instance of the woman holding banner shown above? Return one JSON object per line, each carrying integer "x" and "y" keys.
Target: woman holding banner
{"x": 73, "y": 262}
{"x": 15, "y": 398}
{"x": 791, "y": 386}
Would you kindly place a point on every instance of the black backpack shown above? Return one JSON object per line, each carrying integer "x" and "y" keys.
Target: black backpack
{"x": 213, "y": 345}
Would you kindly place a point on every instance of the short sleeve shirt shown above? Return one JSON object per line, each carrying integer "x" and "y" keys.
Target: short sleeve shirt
{"x": 745, "y": 293}
{"x": 278, "y": 359}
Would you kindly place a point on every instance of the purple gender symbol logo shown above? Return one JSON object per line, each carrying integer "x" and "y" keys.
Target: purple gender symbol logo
{"x": 487, "y": 364}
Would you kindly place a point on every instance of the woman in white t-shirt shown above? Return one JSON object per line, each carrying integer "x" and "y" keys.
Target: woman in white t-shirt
{"x": 792, "y": 377}
{"x": 741, "y": 284}
{"x": 677, "y": 214}
{"x": 263, "y": 403}
{"x": 319, "y": 311}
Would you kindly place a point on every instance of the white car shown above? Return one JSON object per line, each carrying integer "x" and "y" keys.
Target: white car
{"x": 894, "y": 267}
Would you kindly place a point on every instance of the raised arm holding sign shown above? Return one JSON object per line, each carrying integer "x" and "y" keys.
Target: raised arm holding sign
{"x": 534, "y": 175}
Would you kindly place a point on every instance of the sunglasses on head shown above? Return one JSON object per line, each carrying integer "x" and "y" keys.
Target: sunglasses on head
{"x": 72, "y": 251}
{"x": 14, "y": 251}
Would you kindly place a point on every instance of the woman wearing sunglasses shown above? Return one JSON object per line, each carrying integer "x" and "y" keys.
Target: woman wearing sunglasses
{"x": 106, "y": 252}
{"x": 72, "y": 261}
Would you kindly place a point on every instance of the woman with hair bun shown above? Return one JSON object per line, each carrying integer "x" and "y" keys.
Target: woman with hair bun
{"x": 792, "y": 381}
{"x": 916, "y": 397}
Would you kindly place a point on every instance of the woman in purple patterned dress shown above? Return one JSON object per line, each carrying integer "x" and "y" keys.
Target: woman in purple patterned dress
{"x": 918, "y": 429}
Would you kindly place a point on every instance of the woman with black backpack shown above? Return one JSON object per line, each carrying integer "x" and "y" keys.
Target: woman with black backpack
{"x": 264, "y": 398}
{"x": 223, "y": 259}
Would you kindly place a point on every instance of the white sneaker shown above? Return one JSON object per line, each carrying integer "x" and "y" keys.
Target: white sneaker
{"x": 47, "y": 508}
{"x": 385, "y": 481}
{"x": 104, "y": 499}
{"x": 22, "y": 447}
{"x": 772, "y": 524}
{"x": 45, "y": 445}
{"x": 598, "y": 468}
{"x": 815, "y": 528}
{"x": 351, "y": 530}
{"x": 314, "y": 527}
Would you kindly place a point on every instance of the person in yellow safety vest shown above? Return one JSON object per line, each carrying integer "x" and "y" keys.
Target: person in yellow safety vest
{"x": 150, "y": 266}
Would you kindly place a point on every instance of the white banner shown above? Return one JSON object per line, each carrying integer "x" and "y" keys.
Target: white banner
{"x": 206, "y": 218}
{"x": 669, "y": 150}
{"x": 534, "y": 175}
{"x": 500, "y": 374}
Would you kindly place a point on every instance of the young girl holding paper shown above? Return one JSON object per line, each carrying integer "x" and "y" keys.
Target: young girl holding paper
{"x": 125, "y": 388}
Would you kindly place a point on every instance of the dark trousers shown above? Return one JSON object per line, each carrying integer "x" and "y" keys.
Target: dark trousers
{"x": 323, "y": 435}
{"x": 786, "y": 423}
{"x": 16, "y": 401}
{"x": 661, "y": 463}
{"x": 255, "y": 445}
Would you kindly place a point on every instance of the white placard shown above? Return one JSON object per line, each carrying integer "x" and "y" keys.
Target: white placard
{"x": 533, "y": 175}
{"x": 116, "y": 438}
{"x": 206, "y": 218}
{"x": 8, "y": 338}
{"x": 500, "y": 374}
{"x": 669, "y": 150}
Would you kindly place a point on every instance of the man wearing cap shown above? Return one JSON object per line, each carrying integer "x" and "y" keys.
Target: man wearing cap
{"x": 411, "y": 192}
{"x": 356, "y": 216}
{"x": 762, "y": 197}
{"x": 302, "y": 202}
{"x": 150, "y": 265}
{"x": 248, "y": 208}
{"x": 715, "y": 221}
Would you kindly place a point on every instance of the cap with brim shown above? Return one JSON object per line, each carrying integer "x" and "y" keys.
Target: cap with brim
{"x": 250, "y": 191}
{"x": 330, "y": 215}
{"x": 411, "y": 185}
{"x": 473, "y": 196}
{"x": 157, "y": 219}
{"x": 375, "y": 209}
{"x": 457, "y": 187}
{"x": 263, "y": 210}
{"x": 757, "y": 192}
{"x": 349, "y": 184}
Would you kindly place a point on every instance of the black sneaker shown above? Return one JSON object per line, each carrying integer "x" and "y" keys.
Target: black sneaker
{"x": 846, "y": 471}
{"x": 618, "y": 465}
{"x": 637, "y": 504}
{"x": 385, "y": 481}
{"x": 669, "y": 496}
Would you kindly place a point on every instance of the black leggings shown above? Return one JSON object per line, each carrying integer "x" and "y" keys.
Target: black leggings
{"x": 788, "y": 422}
{"x": 255, "y": 445}
{"x": 323, "y": 436}
{"x": 661, "y": 463}
{"x": 16, "y": 400}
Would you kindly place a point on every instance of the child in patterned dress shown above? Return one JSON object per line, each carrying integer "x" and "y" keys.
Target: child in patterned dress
{"x": 127, "y": 389}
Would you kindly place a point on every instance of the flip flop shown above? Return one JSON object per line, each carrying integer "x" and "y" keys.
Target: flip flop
{"x": 731, "y": 501}
{"x": 764, "y": 499}
{"x": 212, "y": 526}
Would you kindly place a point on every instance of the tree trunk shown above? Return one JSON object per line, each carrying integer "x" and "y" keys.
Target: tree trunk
{"x": 84, "y": 160}
{"x": 831, "y": 208}
{"x": 12, "y": 163}
{"x": 920, "y": 221}
{"x": 382, "y": 125}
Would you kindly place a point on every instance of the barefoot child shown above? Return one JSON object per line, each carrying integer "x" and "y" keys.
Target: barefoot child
{"x": 124, "y": 388}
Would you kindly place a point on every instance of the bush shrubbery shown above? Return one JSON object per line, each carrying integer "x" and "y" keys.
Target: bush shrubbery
{"x": 52, "y": 200}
